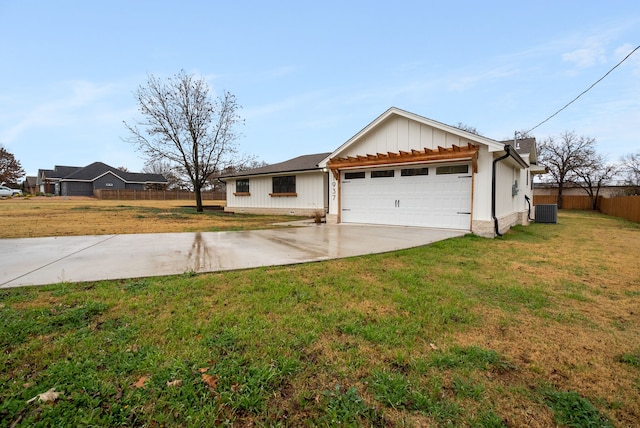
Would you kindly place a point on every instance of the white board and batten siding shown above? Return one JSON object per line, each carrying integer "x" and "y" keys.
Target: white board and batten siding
{"x": 311, "y": 189}
{"x": 402, "y": 134}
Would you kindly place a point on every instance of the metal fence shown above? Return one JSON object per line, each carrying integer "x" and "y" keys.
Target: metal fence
{"x": 156, "y": 195}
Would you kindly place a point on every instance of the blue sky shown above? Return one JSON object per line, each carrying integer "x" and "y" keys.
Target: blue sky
{"x": 310, "y": 74}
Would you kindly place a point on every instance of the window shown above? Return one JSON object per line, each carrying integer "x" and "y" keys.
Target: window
{"x": 242, "y": 186}
{"x": 382, "y": 173}
{"x": 452, "y": 169}
{"x": 284, "y": 184}
{"x": 353, "y": 175}
{"x": 408, "y": 172}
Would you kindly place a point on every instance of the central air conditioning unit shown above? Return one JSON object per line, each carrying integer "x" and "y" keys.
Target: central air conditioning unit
{"x": 547, "y": 213}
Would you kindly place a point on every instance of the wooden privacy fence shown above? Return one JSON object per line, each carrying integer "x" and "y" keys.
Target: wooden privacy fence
{"x": 627, "y": 207}
{"x": 569, "y": 202}
{"x": 156, "y": 195}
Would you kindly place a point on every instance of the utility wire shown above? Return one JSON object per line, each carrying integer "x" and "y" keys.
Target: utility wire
{"x": 585, "y": 91}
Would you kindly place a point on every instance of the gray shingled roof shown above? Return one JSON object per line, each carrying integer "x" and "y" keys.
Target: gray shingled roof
{"x": 523, "y": 145}
{"x": 60, "y": 171}
{"x": 95, "y": 170}
{"x": 299, "y": 164}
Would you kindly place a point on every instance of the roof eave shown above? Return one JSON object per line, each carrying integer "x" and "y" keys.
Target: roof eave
{"x": 296, "y": 171}
{"x": 515, "y": 156}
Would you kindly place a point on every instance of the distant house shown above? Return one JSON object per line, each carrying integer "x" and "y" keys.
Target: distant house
{"x": 82, "y": 181}
{"x": 401, "y": 169}
{"x": 29, "y": 185}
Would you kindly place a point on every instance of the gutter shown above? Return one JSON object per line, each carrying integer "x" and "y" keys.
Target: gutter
{"x": 507, "y": 149}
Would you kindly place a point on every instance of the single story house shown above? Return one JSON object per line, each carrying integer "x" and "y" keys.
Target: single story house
{"x": 402, "y": 169}
{"x": 29, "y": 185}
{"x": 295, "y": 187}
{"x": 82, "y": 181}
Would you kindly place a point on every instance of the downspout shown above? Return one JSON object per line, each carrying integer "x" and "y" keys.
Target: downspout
{"x": 526, "y": 198}
{"x": 507, "y": 149}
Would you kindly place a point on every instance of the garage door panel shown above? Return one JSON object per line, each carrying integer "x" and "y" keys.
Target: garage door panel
{"x": 442, "y": 201}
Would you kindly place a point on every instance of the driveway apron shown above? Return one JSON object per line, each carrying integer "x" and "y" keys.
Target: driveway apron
{"x": 39, "y": 261}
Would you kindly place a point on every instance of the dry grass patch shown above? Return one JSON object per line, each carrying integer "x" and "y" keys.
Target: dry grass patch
{"x": 58, "y": 216}
{"x": 589, "y": 276}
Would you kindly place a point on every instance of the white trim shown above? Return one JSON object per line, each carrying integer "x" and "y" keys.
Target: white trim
{"x": 76, "y": 180}
{"x": 272, "y": 174}
{"x": 493, "y": 146}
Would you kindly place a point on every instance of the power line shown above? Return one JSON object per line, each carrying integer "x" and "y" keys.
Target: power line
{"x": 585, "y": 91}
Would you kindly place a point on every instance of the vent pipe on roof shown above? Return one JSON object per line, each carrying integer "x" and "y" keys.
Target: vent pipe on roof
{"x": 507, "y": 149}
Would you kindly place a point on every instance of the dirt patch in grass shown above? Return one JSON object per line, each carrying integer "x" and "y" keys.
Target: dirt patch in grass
{"x": 58, "y": 216}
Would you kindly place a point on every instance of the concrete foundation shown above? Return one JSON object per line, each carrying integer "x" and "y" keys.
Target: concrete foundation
{"x": 486, "y": 228}
{"x": 302, "y": 212}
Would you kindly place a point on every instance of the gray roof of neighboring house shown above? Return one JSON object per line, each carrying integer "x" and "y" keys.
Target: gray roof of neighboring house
{"x": 299, "y": 164}
{"x": 95, "y": 170}
{"x": 58, "y": 171}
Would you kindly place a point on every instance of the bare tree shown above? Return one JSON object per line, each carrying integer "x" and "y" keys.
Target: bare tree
{"x": 592, "y": 175}
{"x": 10, "y": 169}
{"x": 468, "y": 128}
{"x": 563, "y": 155}
{"x": 165, "y": 169}
{"x": 242, "y": 163}
{"x": 630, "y": 165}
{"x": 184, "y": 126}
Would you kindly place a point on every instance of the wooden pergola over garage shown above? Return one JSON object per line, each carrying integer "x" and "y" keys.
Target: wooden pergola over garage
{"x": 442, "y": 154}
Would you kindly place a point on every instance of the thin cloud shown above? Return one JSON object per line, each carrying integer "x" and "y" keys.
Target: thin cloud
{"x": 587, "y": 56}
{"x": 61, "y": 111}
{"x": 471, "y": 80}
{"x": 290, "y": 103}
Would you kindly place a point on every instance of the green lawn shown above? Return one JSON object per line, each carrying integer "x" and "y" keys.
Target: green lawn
{"x": 538, "y": 328}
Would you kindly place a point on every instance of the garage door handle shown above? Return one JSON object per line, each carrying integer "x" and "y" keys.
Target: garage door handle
{"x": 460, "y": 212}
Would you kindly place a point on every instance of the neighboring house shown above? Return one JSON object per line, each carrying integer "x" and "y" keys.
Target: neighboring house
{"x": 29, "y": 185}
{"x": 295, "y": 187}
{"x": 407, "y": 170}
{"x": 82, "y": 181}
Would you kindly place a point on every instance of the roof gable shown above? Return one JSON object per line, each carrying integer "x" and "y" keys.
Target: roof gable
{"x": 394, "y": 112}
{"x": 93, "y": 171}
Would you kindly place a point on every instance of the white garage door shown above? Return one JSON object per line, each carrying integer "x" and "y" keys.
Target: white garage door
{"x": 428, "y": 196}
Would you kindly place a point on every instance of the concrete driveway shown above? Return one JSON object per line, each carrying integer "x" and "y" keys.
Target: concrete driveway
{"x": 39, "y": 261}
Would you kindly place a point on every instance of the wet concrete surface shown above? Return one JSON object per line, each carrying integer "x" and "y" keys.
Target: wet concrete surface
{"x": 39, "y": 261}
